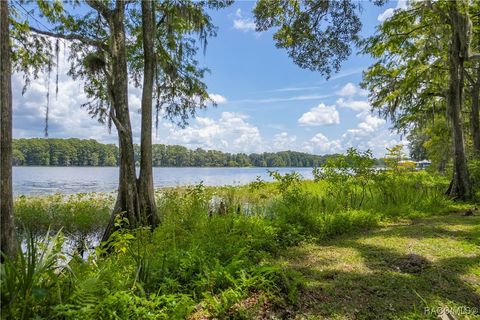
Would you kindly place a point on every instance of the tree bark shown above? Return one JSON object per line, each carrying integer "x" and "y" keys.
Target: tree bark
{"x": 145, "y": 182}
{"x": 127, "y": 203}
{"x": 475, "y": 121}
{"x": 460, "y": 186}
{"x": 8, "y": 240}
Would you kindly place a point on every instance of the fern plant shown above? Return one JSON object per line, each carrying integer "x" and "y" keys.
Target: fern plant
{"x": 32, "y": 275}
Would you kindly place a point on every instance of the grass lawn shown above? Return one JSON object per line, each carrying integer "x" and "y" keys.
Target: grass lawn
{"x": 394, "y": 272}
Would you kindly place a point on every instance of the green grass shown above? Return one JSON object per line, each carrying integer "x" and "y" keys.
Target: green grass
{"x": 393, "y": 272}
{"x": 207, "y": 263}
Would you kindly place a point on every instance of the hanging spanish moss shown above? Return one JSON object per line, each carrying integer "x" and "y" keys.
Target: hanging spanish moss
{"x": 157, "y": 99}
{"x": 64, "y": 51}
{"x": 49, "y": 71}
{"x": 57, "y": 55}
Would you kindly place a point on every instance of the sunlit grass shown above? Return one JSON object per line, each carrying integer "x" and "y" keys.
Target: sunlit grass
{"x": 375, "y": 273}
{"x": 216, "y": 252}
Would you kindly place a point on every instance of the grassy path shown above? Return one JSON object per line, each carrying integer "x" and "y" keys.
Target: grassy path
{"x": 394, "y": 272}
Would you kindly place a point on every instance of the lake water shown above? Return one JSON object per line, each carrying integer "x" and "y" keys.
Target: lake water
{"x": 67, "y": 180}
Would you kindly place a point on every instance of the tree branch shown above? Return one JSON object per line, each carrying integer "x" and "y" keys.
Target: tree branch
{"x": 474, "y": 57}
{"x": 404, "y": 34}
{"x": 436, "y": 94}
{"x": 117, "y": 122}
{"x": 162, "y": 19}
{"x": 86, "y": 40}
{"x": 469, "y": 78}
{"x": 100, "y": 7}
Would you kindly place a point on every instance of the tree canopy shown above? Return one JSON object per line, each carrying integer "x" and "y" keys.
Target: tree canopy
{"x": 77, "y": 152}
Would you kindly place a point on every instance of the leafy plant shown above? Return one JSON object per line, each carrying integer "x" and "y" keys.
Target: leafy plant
{"x": 288, "y": 184}
{"x": 348, "y": 176}
{"x": 27, "y": 282}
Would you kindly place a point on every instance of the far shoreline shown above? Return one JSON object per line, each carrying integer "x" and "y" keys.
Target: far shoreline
{"x": 214, "y": 167}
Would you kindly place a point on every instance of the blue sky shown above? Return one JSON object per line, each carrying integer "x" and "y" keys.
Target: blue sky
{"x": 265, "y": 101}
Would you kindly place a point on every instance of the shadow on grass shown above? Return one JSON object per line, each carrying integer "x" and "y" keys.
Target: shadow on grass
{"x": 390, "y": 284}
{"x": 438, "y": 227}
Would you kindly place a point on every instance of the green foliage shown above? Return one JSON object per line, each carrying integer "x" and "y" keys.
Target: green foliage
{"x": 78, "y": 213}
{"x": 63, "y": 152}
{"x": 410, "y": 192}
{"x": 120, "y": 240}
{"x": 429, "y": 143}
{"x": 77, "y": 152}
{"x": 474, "y": 169}
{"x": 411, "y": 92}
{"x": 396, "y": 160}
{"x": 81, "y": 217}
{"x": 288, "y": 184}
{"x": 348, "y": 176}
{"x": 256, "y": 185}
{"x": 418, "y": 89}
{"x": 206, "y": 262}
{"x": 29, "y": 284}
{"x": 316, "y": 34}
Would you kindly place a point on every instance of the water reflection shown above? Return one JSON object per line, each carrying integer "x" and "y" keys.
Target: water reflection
{"x": 68, "y": 180}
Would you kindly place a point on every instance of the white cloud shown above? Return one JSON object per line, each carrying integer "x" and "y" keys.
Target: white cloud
{"x": 241, "y": 23}
{"x": 370, "y": 123}
{"x": 376, "y": 141}
{"x": 238, "y": 13}
{"x": 320, "y": 144}
{"x": 294, "y": 98}
{"x": 282, "y": 141}
{"x": 231, "y": 132}
{"x": 288, "y": 89}
{"x": 244, "y": 25}
{"x": 356, "y": 105}
{"x": 371, "y": 133}
{"x": 388, "y": 13}
{"x": 348, "y": 90}
{"x": 385, "y": 14}
{"x": 217, "y": 98}
{"x": 362, "y": 92}
{"x": 66, "y": 117}
{"x": 319, "y": 116}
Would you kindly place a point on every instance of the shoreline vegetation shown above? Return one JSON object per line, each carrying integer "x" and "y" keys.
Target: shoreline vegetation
{"x": 226, "y": 252}
{"x": 354, "y": 242}
{"x": 91, "y": 153}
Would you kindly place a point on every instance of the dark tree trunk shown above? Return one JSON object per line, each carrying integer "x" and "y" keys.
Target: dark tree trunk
{"x": 475, "y": 121}
{"x": 7, "y": 240}
{"x": 442, "y": 164}
{"x": 145, "y": 182}
{"x": 127, "y": 203}
{"x": 460, "y": 186}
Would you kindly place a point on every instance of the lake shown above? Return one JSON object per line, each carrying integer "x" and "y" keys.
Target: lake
{"x": 68, "y": 180}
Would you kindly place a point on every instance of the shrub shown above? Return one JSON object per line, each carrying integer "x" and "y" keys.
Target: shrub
{"x": 201, "y": 260}
{"x": 348, "y": 178}
{"x": 29, "y": 282}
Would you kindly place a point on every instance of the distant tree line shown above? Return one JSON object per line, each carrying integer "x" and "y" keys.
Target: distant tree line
{"x": 63, "y": 152}
{"x": 78, "y": 152}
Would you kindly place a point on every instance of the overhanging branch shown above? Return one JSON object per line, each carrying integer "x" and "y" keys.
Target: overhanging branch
{"x": 100, "y": 7}
{"x": 474, "y": 57}
{"x": 93, "y": 42}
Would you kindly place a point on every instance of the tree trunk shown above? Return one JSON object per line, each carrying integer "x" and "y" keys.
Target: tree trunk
{"x": 475, "y": 121}
{"x": 127, "y": 203}
{"x": 7, "y": 240}
{"x": 461, "y": 182}
{"x": 146, "y": 194}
